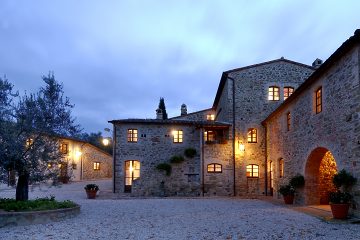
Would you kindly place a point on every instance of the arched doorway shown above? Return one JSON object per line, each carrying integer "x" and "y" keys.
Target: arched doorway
{"x": 319, "y": 171}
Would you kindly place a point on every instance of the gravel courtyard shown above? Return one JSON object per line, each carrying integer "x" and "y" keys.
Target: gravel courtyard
{"x": 208, "y": 218}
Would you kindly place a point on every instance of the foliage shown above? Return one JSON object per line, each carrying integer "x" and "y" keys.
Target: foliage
{"x": 286, "y": 190}
{"x": 163, "y": 108}
{"x": 38, "y": 204}
{"x": 92, "y": 187}
{"x": 297, "y": 181}
{"x": 344, "y": 179}
{"x": 30, "y": 126}
{"x": 340, "y": 197}
{"x": 177, "y": 159}
{"x": 96, "y": 140}
{"x": 164, "y": 167}
{"x": 190, "y": 152}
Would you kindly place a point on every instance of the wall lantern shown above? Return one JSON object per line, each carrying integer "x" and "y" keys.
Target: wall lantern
{"x": 78, "y": 153}
{"x": 106, "y": 141}
{"x": 241, "y": 147}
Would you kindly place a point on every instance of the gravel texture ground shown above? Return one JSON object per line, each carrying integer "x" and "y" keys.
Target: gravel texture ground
{"x": 181, "y": 218}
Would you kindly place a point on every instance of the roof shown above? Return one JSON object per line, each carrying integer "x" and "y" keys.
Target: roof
{"x": 225, "y": 74}
{"x": 172, "y": 122}
{"x": 84, "y": 143}
{"x": 342, "y": 50}
{"x": 208, "y": 109}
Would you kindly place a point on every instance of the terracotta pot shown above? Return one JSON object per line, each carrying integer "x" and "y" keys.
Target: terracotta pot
{"x": 340, "y": 210}
{"x": 289, "y": 199}
{"x": 91, "y": 194}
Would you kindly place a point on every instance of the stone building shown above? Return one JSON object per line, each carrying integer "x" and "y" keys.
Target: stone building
{"x": 262, "y": 129}
{"x": 84, "y": 161}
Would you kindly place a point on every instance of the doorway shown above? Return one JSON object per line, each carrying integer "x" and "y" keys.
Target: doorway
{"x": 132, "y": 172}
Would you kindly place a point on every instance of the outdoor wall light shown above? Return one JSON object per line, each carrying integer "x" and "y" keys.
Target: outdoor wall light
{"x": 106, "y": 141}
{"x": 78, "y": 153}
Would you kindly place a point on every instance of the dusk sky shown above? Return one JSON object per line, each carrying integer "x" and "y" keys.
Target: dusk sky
{"x": 117, "y": 58}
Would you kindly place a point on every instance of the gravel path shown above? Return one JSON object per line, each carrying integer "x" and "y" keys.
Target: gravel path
{"x": 216, "y": 218}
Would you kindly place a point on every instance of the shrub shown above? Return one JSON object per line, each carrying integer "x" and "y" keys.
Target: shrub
{"x": 92, "y": 187}
{"x": 345, "y": 179}
{"x": 340, "y": 197}
{"x": 286, "y": 190}
{"x": 177, "y": 159}
{"x": 297, "y": 181}
{"x": 190, "y": 152}
{"x": 38, "y": 204}
{"x": 164, "y": 167}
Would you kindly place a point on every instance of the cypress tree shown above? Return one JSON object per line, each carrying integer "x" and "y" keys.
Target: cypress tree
{"x": 163, "y": 108}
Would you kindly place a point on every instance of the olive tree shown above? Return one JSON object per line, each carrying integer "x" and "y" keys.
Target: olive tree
{"x": 30, "y": 127}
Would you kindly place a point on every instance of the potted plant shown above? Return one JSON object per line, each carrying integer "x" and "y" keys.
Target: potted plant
{"x": 91, "y": 190}
{"x": 341, "y": 199}
{"x": 288, "y": 191}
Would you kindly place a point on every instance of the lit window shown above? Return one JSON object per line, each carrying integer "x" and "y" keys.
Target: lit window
{"x": 274, "y": 94}
{"x": 252, "y": 171}
{"x": 96, "y": 166}
{"x": 210, "y": 117}
{"x": 178, "y": 136}
{"x": 214, "y": 168}
{"x": 281, "y": 168}
{"x": 252, "y": 135}
{"x": 29, "y": 142}
{"x": 209, "y": 136}
{"x": 64, "y": 148}
{"x": 132, "y": 135}
{"x": 287, "y": 92}
{"x": 288, "y": 121}
{"x": 318, "y": 100}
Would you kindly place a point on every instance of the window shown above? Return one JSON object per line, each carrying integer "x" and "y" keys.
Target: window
{"x": 209, "y": 136}
{"x": 288, "y": 121}
{"x": 287, "y": 92}
{"x": 318, "y": 100}
{"x": 214, "y": 168}
{"x": 96, "y": 166}
{"x": 281, "y": 168}
{"x": 252, "y": 171}
{"x": 178, "y": 136}
{"x": 274, "y": 94}
{"x": 252, "y": 135}
{"x": 29, "y": 142}
{"x": 210, "y": 117}
{"x": 132, "y": 135}
{"x": 64, "y": 148}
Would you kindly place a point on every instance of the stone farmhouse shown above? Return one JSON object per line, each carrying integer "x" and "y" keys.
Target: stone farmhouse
{"x": 84, "y": 161}
{"x": 268, "y": 122}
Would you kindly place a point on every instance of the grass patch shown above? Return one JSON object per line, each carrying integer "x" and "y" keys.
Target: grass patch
{"x": 38, "y": 204}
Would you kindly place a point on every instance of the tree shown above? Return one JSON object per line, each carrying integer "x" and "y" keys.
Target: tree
{"x": 30, "y": 130}
{"x": 163, "y": 108}
{"x": 96, "y": 139}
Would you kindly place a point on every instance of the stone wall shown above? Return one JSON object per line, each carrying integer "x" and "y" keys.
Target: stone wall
{"x": 251, "y": 108}
{"x": 335, "y": 129}
{"x": 154, "y": 146}
{"x": 91, "y": 155}
{"x": 196, "y": 116}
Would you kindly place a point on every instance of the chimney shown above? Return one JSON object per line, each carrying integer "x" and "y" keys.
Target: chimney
{"x": 159, "y": 114}
{"x": 317, "y": 63}
{"x": 183, "y": 109}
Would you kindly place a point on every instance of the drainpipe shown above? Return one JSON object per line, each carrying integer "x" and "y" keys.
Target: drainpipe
{"x": 202, "y": 161}
{"x": 114, "y": 156}
{"x": 266, "y": 157}
{"x": 233, "y": 133}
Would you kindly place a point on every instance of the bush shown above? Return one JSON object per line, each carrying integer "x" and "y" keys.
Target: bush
{"x": 164, "y": 167}
{"x": 177, "y": 159}
{"x": 340, "y": 197}
{"x": 297, "y": 181}
{"x": 345, "y": 179}
{"x": 92, "y": 187}
{"x": 190, "y": 152}
{"x": 38, "y": 204}
{"x": 286, "y": 190}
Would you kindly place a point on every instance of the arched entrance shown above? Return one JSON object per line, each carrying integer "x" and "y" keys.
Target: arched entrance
{"x": 319, "y": 171}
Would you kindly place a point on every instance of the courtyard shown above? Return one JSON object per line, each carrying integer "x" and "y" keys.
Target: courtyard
{"x": 111, "y": 217}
